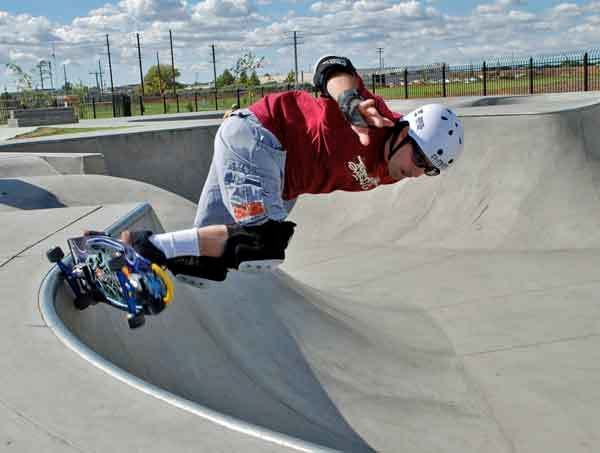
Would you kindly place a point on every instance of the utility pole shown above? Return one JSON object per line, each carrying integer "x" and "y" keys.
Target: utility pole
{"x": 140, "y": 60}
{"x": 100, "y": 72}
{"x": 215, "y": 76}
{"x": 112, "y": 87}
{"x": 51, "y": 76}
{"x": 296, "y": 37}
{"x": 55, "y": 65}
{"x": 173, "y": 69}
{"x": 66, "y": 81}
{"x": 97, "y": 80}
{"x": 41, "y": 74}
{"x": 160, "y": 90}
{"x": 296, "y": 59}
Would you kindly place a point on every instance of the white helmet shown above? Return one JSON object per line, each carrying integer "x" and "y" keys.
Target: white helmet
{"x": 438, "y": 132}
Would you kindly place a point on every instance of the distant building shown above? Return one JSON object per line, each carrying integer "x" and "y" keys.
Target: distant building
{"x": 272, "y": 78}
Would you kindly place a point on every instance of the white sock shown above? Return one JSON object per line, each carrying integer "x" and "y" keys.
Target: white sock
{"x": 178, "y": 243}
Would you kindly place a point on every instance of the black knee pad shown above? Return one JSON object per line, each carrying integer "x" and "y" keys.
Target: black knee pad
{"x": 261, "y": 242}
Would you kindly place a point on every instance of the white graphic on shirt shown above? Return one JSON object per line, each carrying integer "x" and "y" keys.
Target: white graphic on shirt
{"x": 359, "y": 172}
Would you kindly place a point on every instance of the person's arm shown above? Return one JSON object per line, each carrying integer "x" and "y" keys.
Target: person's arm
{"x": 339, "y": 82}
{"x": 343, "y": 87}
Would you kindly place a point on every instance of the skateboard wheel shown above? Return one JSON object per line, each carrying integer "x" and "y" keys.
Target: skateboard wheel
{"x": 55, "y": 254}
{"x": 83, "y": 301}
{"x": 97, "y": 296}
{"x": 136, "y": 321}
{"x": 117, "y": 263}
{"x": 155, "y": 306}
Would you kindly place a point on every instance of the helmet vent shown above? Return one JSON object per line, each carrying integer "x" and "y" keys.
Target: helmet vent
{"x": 450, "y": 132}
{"x": 440, "y": 152}
{"x": 450, "y": 161}
{"x": 444, "y": 118}
{"x": 460, "y": 140}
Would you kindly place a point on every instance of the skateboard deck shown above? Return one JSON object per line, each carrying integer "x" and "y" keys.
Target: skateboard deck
{"x": 106, "y": 270}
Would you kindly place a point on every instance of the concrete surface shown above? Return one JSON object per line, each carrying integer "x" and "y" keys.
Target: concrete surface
{"x": 449, "y": 314}
{"x": 42, "y": 117}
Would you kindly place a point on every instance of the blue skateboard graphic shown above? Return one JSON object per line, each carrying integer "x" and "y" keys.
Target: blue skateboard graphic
{"x": 106, "y": 270}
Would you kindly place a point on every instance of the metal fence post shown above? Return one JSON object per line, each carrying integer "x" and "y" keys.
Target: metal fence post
{"x": 484, "y": 79}
{"x": 405, "y": 83}
{"x": 373, "y": 82}
{"x": 94, "y": 106}
{"x": 444, "y": 79}
{"x": 237, "y": 92}
{"x": 164, "y": 103}
{"x": 531, "y": 75}
{"x": 196, "y": 100}
{"x": 262, "y": 92}
{"x": 142, "y": 105}
{"x": 586, "y": 72}
{"x": 177, "y": 100}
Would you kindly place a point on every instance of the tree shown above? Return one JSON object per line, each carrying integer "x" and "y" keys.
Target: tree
{"x": 247, "y": 62}
{"x": 28, "y": 96}
{"x": 291, "y": 77}
{"x": 158, "y": 86}
{"x": 23, "y": 80}
{"x": 225, "y": 79}
{"x": 254, "y": 81}
{"x": 243, "y": 78}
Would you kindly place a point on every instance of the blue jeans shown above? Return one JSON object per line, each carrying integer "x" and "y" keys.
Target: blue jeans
{"x": 246, "y": 176}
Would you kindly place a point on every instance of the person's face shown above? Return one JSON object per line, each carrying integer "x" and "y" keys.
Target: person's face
{"x": 401, "y": 165}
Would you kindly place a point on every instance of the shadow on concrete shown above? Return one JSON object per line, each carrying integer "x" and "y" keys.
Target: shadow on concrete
{"x": 18, "y": 194}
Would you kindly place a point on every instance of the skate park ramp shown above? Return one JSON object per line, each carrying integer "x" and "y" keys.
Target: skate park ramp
{"x": 448, "y": 314}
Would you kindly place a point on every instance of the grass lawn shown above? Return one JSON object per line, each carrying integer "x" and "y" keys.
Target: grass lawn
{"x": 49, "y": 131}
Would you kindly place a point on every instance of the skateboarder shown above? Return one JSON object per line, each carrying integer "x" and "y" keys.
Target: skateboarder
{"x": 289, "y": 144}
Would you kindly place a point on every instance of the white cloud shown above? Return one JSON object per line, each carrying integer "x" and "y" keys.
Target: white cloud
{"x": 163, "y": 10}
{"x": 330, "y": 7}
{"x": 225, "y": 8}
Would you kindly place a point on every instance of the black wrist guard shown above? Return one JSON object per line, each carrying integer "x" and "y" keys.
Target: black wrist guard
{"x": 142, "y": 245}
{"x": 328, "y": 65}
{"x": 348, "y": 102}
{"x": 261, "y": 242}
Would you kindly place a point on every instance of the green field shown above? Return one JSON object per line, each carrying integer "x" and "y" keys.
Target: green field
{"x": 154, "y": 106}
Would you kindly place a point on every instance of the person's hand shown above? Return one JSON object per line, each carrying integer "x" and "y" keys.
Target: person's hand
{"x": 125, "y": 237}
{"x": 373, "y": 118}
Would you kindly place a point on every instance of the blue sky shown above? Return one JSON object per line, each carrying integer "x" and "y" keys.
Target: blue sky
{"x": 67, "y": 10}
{"x": 410, "y": 32}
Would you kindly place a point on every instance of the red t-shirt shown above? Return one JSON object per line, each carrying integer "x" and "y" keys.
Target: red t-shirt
{"x": 323, "y": 152}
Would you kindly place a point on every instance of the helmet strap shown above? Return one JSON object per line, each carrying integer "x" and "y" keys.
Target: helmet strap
{"x": 398, "y": 128}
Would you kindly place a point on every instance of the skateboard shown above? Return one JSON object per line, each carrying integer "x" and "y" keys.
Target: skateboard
{"x": 105, "y": 270}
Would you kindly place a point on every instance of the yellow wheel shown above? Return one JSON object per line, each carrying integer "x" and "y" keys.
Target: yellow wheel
{"x": 162, "y": 274}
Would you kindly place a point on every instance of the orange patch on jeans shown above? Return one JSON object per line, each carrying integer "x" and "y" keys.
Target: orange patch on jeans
{"x": 246, "y": 211}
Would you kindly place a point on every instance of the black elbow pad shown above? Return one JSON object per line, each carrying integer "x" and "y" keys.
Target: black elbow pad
{"x": 327, "y": 66}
